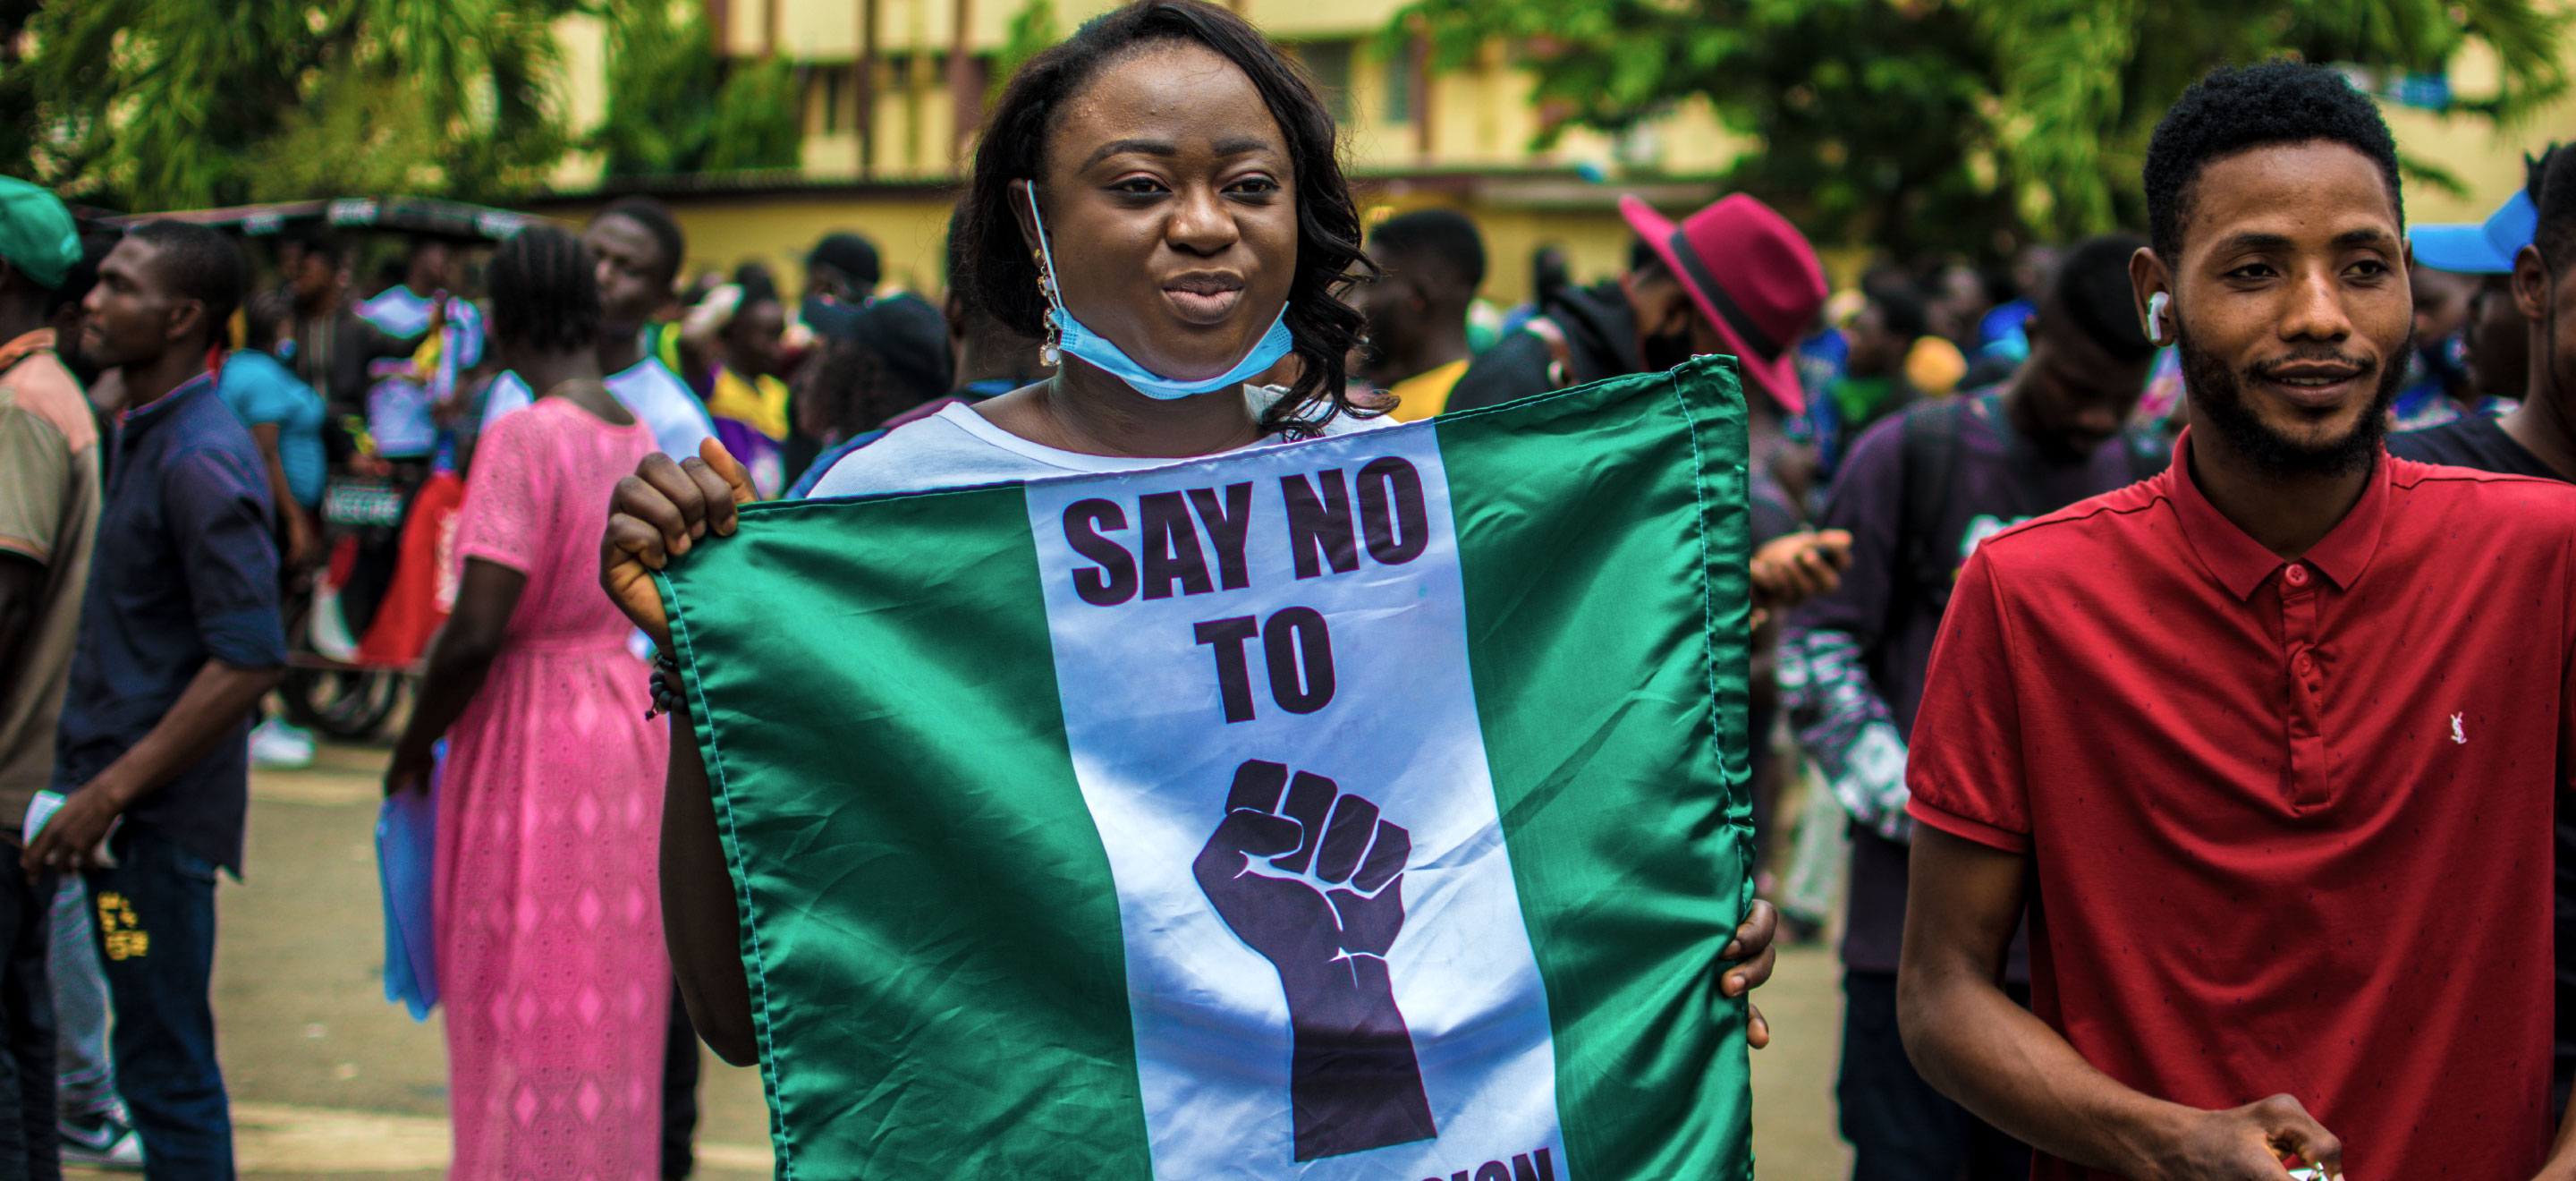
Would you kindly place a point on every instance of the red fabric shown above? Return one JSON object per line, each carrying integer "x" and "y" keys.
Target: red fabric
{"x": 2268, "y": 858}
{"x": 424, "y": 586}
{"x": 1766, "y": 275}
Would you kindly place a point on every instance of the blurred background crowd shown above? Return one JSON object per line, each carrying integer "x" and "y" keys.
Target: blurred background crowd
{"x": 766, "y": 188}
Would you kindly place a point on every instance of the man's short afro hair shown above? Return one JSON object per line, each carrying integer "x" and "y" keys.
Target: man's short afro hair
{"x": 2556, "y": 233}
{"x": 2236, "y": 110}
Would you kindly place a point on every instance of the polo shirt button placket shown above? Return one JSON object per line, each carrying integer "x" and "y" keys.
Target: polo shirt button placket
{"x": 2308, "y": 780}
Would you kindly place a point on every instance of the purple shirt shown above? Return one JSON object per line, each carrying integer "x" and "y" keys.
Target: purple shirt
{"x": 1862, "y": 650}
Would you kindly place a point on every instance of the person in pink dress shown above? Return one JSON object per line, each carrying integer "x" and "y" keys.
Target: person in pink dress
{"x": 549, "y": 927}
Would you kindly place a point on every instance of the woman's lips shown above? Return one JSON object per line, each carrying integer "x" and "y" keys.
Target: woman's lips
{"x": 1202, "y": 306}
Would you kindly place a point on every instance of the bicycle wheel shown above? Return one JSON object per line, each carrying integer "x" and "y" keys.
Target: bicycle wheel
{"x": 349, "y": 704}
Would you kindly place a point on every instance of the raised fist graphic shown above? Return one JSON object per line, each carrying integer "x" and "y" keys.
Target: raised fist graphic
{"x": 1314, "y": 880}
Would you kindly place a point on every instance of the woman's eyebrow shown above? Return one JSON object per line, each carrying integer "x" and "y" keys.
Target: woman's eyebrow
{"x": 1148, "y": 147}
{"x": 1240, "y": 146}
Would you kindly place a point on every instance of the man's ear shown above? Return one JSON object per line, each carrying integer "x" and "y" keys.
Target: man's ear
{"x": 184, "y": 318}
{"x": 2149, "y": 278}
{"x": 2531, "y": 283}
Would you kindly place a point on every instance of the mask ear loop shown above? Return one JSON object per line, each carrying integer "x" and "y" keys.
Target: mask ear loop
{"x": 1050, "y": 350}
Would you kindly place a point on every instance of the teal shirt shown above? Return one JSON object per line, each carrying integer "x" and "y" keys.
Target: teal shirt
{"x": 260, "y": 391}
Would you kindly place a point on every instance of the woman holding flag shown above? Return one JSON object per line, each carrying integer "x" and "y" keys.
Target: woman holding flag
{"x": 1159, "y": 197}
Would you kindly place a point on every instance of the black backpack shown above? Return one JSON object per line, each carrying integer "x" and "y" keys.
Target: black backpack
{"x": 1930, "y": 458}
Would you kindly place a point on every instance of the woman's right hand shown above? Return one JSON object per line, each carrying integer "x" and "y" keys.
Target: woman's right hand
{"x": 655, "y": 516}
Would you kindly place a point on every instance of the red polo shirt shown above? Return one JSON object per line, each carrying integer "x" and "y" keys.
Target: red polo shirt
{"x": 2290, "y": 822}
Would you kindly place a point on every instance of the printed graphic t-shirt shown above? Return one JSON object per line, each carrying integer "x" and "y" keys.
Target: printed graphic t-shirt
{"x": 958, "y": 447}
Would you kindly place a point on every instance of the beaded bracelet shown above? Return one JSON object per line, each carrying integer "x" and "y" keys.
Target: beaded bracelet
{"x": 666, "y": 700}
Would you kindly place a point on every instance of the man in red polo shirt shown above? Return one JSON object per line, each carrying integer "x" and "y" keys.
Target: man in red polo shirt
{"x": 2284, "y": 827}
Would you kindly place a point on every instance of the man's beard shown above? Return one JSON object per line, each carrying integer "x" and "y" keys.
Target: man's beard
{"x": 2218, "y": 399}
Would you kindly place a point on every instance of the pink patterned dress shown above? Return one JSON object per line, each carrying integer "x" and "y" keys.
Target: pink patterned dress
{"x": 550, "y": 955}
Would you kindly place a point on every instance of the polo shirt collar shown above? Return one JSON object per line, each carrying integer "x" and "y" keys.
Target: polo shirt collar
{"x": 2241, "y": 563}
{"x": 141, "y": 418}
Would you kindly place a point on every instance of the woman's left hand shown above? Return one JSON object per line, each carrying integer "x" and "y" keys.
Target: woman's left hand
{"x": 409, "y": 772}
{"x": 1753, "y": 957}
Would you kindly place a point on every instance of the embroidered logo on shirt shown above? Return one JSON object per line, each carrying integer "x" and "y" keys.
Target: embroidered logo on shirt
{"x": 2456, "y": 735}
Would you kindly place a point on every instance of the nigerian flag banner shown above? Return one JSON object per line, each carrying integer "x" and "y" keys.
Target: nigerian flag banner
{"x": 1365, "y": 807}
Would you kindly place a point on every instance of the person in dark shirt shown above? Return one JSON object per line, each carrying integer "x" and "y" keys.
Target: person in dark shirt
{"x": 179, "y": 636}
{"x": 328, "y": 346}
{"x": 2537, "y": 438}
{"x": 1918, "y": 493}
{"x": 1431, "y": 261}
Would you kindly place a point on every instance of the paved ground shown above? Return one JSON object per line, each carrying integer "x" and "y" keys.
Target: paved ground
{"x": 329, "y": 1080}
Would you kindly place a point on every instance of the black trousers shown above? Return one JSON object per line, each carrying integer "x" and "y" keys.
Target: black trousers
{"x": 29, "y": 1146}
{"x": 679, "y": 1093}
{"x": 1901, "y": 1129}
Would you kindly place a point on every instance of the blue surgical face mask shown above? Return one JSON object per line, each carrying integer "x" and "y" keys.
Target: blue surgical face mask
{"x": 1082, "y": 342}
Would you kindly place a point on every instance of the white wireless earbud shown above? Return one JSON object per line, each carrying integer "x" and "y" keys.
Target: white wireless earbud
{"x": 2156, "y": 305}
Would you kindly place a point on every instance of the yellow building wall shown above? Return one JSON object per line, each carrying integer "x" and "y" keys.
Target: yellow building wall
{"x": 818, "y": 32}
{"x": 910, "y": 232}
{"x": 2487, "y": 159}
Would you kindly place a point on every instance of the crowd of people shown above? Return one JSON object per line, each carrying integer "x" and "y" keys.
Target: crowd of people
{"x": 2159, "y": 844}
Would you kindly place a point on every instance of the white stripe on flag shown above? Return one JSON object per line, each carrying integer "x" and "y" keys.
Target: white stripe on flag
{"x": 1175, "y": 603}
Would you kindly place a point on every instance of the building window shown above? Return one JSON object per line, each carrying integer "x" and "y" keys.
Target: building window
{"x": 1404, "y": 74}
{"x": 1329, "y": 63}
{"x": 835, "y": 86}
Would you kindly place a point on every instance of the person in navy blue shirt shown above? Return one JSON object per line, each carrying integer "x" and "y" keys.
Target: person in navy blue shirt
{"x": 179, "y": 637}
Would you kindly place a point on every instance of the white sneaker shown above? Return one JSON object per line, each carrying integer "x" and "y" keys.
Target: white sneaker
{"x": 276, "y": 746}
{"x": 106, "y": 1142}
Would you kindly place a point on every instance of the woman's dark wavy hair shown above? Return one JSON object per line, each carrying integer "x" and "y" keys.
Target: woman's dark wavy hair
{"x": 1000, "y": 279}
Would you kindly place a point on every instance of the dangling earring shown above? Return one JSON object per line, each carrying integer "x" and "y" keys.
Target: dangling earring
{"x": 1049, "y": 350}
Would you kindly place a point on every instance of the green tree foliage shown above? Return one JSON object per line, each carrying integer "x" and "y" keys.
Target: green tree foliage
{"x": 661, "y": 90}
{"x": 673, "y": 107}
{"x": 161, "y": 104}
{"x": 757, "y": 122}
{"x": 2084, "y": 81}
{"x": 1949, "y": 125}
{"x": 1032, "y": 30}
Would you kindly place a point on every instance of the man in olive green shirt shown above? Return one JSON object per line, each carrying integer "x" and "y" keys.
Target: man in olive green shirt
{"x": 49, "y": 506}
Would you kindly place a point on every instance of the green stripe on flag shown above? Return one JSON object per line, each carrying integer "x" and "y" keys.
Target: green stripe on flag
{"x": 980, "y": 984}
{"x": 1598, "y": 649}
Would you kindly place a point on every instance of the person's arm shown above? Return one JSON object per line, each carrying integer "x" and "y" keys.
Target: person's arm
{"x": 299, "y": 532}
{"x": 2562, "y": 1152}
{"x": 22, "y": 581}
{"x": 699, "y": 922}
{"x": 656, "y": 515}
{"x": 1835, "y": 707}
{"x": 459, "y": 660}
{"x": 1973, "y": 1044}
{"x": 35, "y": 470}
{"x": 217, "y": 510}
{"x": 207, "y": 713}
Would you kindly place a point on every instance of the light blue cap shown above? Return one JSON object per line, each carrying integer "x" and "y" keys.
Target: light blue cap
{"x": 2484, "y": 249}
